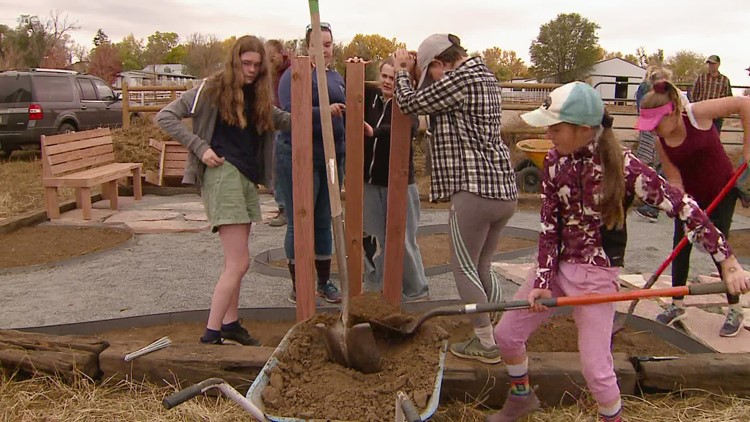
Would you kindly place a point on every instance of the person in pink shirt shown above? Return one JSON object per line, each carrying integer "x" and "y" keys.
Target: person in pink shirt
{"x": 587, "y": 182}
{"x": 690, "y": 148}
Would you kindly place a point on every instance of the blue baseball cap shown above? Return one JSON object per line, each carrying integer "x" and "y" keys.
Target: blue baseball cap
{"x": 575, "y": 102}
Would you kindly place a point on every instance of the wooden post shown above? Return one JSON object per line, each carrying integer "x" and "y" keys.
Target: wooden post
{"x": 302, "y": 187}
{"x": 395, "y": 224}
{"x": 355, "y": 117}
{"x": 125, "y": 105}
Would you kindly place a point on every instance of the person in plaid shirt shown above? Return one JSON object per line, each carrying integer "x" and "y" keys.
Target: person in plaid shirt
{"x": 471, "y": 167}
{"x": 710, "y": 85}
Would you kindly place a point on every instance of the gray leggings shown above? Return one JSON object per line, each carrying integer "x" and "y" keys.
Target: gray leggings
{"x": 475, "y": 226}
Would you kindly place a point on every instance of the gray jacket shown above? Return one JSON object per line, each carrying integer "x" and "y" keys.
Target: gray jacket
{"x": 197, "y": 141}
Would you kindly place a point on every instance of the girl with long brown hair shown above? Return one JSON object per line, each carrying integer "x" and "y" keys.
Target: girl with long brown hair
{"x": 587, "y": 182}
{"x": 234, "y": 120}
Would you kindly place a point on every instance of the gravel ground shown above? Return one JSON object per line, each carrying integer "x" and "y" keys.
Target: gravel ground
{"x": 175, "y": 272}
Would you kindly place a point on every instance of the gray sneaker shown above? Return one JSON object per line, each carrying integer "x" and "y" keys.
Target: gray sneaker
{"x": 279, "y": 220}
{"x": 732, "y": 324}
{"x": 473, "y": 349}
{"x": 672, "y": 314}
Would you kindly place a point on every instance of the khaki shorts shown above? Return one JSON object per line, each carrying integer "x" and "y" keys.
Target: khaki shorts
{"x": 229, "y": 197}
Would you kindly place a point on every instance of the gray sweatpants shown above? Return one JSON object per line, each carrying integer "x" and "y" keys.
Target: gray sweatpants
{"x": 475, "y": 227}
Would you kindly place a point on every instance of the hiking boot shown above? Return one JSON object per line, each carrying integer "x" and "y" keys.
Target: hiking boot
{"x": 732, "y": 324}
{"x": 515, "y": 407}
{"x": 473, "y": 349}
{"x": 329, "y": 292}
{"x": 647, "y": 212}
{"x": 279, "y": 220}
{"x": 239, "y": 335}
{"x": 672, "y": 314}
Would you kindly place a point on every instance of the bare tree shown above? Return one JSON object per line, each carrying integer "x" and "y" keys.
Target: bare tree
{"x": 205, "y": 54}
{"x": 44, "y": 40}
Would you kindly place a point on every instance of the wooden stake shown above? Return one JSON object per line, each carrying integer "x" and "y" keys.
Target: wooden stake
{"x": 395, "y": 224}
{"x": 354, "y": 182}
{"x": 302, "y": 187}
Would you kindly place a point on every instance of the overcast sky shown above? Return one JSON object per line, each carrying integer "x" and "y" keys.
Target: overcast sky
{"x": 708, "y": 27}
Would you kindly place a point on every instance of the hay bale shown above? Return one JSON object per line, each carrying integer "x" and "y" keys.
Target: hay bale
{"x": 131, "y": 144}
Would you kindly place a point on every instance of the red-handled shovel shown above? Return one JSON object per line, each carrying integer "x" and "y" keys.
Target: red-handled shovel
{"x": 621, "y": 319}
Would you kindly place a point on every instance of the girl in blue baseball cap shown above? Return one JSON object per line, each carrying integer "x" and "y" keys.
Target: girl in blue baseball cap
{"x": 587, "y": 183}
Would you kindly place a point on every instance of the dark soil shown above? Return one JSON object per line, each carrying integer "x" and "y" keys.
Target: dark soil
{"x": 48, "y": 244}
{"x": 740, "y": 242}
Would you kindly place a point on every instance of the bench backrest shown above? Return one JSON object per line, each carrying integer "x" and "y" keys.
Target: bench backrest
{"x": 76, "y": 151}
{"x": 172, "y": 158}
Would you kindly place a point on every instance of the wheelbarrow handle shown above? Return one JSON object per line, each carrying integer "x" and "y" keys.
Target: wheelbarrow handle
{"x": 179, "y": 397}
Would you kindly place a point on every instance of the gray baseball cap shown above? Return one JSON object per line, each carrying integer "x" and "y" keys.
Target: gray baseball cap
{"x": 430, "y": 48}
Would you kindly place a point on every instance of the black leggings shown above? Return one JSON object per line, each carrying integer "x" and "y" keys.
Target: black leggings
{"x": 722, "y": 219}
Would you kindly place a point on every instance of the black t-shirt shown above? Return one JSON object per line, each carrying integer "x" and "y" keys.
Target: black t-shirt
{"x": 241, "y": 147}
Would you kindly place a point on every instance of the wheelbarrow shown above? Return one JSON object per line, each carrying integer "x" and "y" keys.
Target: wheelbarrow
{"x": 254, "y": 394}
{"x": 529, "y": 170}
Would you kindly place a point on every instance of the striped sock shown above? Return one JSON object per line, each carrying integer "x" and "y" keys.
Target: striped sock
{"x": 519, "y": 386}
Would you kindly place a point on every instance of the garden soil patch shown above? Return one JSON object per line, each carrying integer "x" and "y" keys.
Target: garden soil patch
{"x": 435, "y": 249}
{"x": 740, "y": 242}
{"x": 47, "y": 244}
{"x": 305, "y": 384}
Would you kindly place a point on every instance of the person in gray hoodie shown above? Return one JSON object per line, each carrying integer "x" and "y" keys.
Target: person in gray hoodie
{"x": 234, "y": 120}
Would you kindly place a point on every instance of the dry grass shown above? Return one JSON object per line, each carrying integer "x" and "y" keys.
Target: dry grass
{"x": 693, "y": 406}
{"x": 21, "y": 181}
{"x": 21, "y": 175}
{"x": 49, "y": 399}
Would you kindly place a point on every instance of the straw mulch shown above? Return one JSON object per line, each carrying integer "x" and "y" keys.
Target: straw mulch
{"x": 131, "y": 144}
{"x": 48, "y": 399}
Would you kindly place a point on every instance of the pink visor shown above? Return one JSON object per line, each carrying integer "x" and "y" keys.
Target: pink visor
{"x": 649, "y": 118}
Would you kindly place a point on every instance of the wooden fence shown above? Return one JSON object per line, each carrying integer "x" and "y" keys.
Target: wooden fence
{"x": 161, "y": 96}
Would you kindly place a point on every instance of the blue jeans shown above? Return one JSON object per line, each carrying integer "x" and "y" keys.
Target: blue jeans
{"x": 276, "y": 186}
{"x": 321, "y": 204}
{"x": 375, "y": 210}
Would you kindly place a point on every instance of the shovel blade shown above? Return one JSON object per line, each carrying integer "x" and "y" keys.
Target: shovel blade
{"x": 364, "y": 355}
{"x": 352, "y": 348}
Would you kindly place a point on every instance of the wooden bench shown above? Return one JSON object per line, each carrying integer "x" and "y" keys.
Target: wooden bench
{"x": 81, "y": 160}
{"x": 172, "y": 160}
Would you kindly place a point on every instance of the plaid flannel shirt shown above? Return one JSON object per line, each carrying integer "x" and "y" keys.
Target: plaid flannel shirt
{"x": 707, "y": 87}
{"x": 467, "y": 152}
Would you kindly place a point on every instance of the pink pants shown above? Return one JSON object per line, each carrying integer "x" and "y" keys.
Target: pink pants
{"x": 594, "y": 323}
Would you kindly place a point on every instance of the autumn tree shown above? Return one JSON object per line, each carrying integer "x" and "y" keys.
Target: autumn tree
{"x": 371, "y": 47}
{"x": 505, "y": 64}
{"x": 104, "y": 62}
{"x": 159, "y": 46}
{"x": 131, "y": 53}
{"x": 44, "y": 42}
{"x": 653, "y": 59}
{"x": 565, "y": 48}
{"x": 204, "y": 54}
{"x": 685, "y": 66}
{"x": 630, "y": 58}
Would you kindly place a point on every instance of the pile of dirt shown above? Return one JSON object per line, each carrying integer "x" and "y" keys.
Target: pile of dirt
{"x": 305, "y": 384}
{"x": 47, "y": 244}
